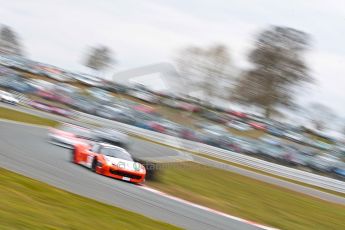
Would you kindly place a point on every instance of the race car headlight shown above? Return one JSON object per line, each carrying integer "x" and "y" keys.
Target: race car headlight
{"x": 138, "y": 167}
{"x": 108, "y": 162}
{"x": 142, "y": 169}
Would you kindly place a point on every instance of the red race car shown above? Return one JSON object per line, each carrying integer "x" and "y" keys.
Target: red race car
{"x": 109, "y": 160}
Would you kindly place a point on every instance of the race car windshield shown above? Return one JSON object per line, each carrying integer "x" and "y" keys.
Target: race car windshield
{"x": 117, "y": 153}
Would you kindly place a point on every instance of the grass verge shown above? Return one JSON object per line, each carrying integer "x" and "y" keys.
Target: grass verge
{"x": 29, "y": 204}
{"x": 253, "y": 133}
{"x": 244, "y": 167}
{"x": 24, "y": 117}
{"x": 271, "y": 175}
{"x": 248, "y": 198}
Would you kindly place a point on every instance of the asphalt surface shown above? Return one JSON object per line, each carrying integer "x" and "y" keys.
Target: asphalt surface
{"x": 140, "y": 148}
{"x": 25, "y": 149}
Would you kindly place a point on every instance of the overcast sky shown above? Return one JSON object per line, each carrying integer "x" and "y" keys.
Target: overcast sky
{"x": 145, "y": 32}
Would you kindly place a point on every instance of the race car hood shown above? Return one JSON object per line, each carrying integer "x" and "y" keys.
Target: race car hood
{"x": 124, "y": 164}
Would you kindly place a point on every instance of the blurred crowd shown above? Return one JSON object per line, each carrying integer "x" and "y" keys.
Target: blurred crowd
{"x": 62, "y": 92}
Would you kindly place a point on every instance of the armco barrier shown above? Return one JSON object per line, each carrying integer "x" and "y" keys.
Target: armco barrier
{"x": 276, "y": 169}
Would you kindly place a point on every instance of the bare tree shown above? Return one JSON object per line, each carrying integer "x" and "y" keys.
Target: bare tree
{"x": 278, "y": 70}
{"x": 204, "y": 70}
{"x": 187, "y": 62}
{"x": 321, "y": 116}
{"x": 99, "y": 58}
{"x": 9, "y": 42}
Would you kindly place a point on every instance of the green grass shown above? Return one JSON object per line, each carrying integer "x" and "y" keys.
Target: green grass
{"x": 29, "y": 204}
{"x": 184, "y": 118}
{"x": 271, "y": 175}
{"x": 249, "y": 198}
{"x": 11, "y": 114}
{"x": 253, "y": 133}
{"x": 244, "y": 167}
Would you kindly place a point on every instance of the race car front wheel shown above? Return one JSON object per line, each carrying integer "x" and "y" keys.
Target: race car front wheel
{"x": 94, "y": 165}
{"x": 73, "y": 155}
